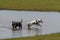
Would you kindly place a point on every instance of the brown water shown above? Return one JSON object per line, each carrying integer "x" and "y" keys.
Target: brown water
{"x": 51, "y": 23}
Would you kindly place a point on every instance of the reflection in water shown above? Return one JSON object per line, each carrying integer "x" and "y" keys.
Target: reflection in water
{"x": 16, "y": 33}
{"x": 35, "y": 31}
{"x": 25, "y": 32}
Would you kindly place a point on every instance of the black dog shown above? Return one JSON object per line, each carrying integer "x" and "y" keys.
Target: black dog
{"x": 17, "y": 24}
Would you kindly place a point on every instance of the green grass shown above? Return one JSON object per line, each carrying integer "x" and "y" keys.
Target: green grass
{"x": 39, "y": 5}
{"x": 55, "y": 36}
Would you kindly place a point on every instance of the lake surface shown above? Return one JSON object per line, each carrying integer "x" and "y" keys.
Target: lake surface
{"x": 51, "y": 23}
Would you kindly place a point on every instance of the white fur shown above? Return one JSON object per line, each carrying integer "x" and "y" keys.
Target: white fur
{"x": 32, "y": 21}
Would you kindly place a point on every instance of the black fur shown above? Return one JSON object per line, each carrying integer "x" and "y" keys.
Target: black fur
{"x": 16, "y": 24}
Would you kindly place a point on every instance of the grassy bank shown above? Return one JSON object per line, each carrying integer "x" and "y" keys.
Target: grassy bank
{"x": 38, "y": 5}
{"x": 55, "y": 36}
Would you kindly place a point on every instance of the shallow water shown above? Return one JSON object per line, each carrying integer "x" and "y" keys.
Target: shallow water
{"x": 51, "y": 23}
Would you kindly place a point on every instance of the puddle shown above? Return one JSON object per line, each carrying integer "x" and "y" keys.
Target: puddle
{"x": 51, "y": 23}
